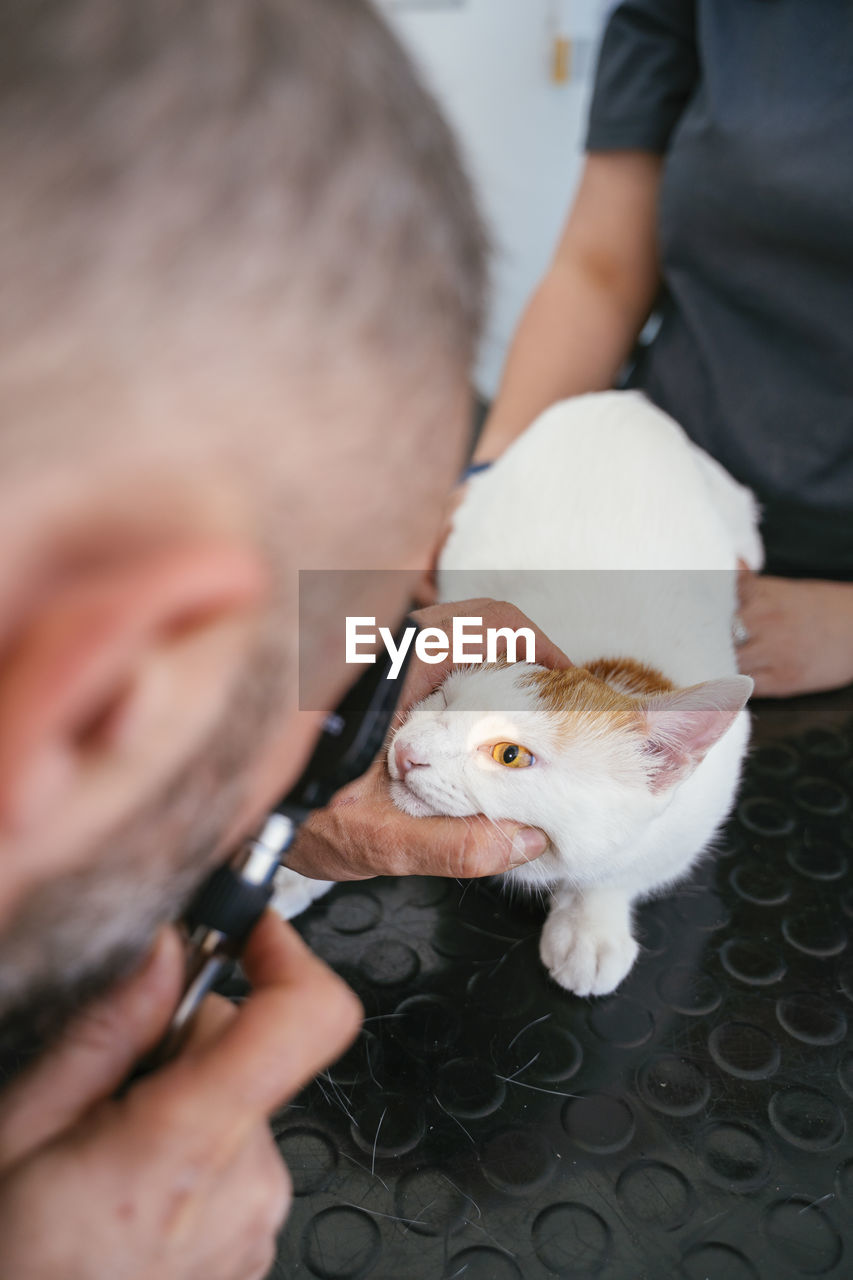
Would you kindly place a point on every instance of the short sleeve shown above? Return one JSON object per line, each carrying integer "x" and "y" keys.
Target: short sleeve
{"x": 648, "y": 67}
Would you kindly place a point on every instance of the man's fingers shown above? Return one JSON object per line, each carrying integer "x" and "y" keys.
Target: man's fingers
{"x": 499, "y": 614}
{"x": 468, "y": 848}
{"x": 94, "y": 1056}
{"x": 208, "y": 1026}
{"x": 423, "y": 679}
{"x": 258, "y": 1181}
{"x": 299, "y": 1017}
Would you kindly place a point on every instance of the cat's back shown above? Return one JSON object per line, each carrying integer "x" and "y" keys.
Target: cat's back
{"x": 601, "y": 481}
{"x": 608, "y": 489}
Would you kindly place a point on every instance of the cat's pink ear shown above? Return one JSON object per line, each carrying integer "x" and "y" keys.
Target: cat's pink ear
{"x": 681, "y": 727}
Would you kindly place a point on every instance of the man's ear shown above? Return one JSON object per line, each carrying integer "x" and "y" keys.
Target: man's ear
{"x": 681, "y": 727}
{"x": 105, "y": 654}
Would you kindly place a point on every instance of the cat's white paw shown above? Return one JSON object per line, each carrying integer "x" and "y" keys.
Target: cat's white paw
{"x": 587, "y": 957}
{"x": 293, "y": 893}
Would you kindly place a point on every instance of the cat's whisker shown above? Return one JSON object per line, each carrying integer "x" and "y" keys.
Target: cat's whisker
{"x": 337, "y": 1095}
{"x": 456, "y": 1121}
{"x": 479, "y": 1227}
{"x": 376, "y": 1140}
{"x": 503, "y": 959}
{"x": 371, "y": 1071}
{"x": 534, "y": 1023}
{"x": 320, "y": 1087}
{"x": 363, "y": 1168}
{"x": 415, "y": 1222}
{"x": 536, "y": 1088}
{"x": 456, "y": 1187}
{"x": 392, "y": 1217}
{"x": 521, "y": 1070}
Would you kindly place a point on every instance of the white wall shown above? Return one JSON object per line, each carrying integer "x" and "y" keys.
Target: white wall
{"x": 488, "y": 62}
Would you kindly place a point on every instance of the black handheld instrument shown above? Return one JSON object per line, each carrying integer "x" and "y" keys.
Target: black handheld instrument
{"x": 221, "y": 917}
{"x": 231, "y": 902}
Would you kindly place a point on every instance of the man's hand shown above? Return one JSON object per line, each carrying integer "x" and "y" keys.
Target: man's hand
{"x": 800, "y": 634}
{"x": 180, "y": 1178}
{"x": 362, "y": 833}
{"x": 424, "y": 677}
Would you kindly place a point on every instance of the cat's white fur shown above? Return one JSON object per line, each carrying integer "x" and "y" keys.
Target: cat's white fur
{"x": 647, "y": 530}
{"x": 293, "y": 893}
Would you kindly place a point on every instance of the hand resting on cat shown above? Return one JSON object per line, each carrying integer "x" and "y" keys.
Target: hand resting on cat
{"x": 361, "y": 833}
{"x": 621, "y": 540}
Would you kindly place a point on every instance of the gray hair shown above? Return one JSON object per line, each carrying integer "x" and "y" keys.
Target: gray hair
{"x": 170, "y": 164}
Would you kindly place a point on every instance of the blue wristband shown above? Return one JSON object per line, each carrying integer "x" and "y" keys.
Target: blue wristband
{"x": 474, "y": 469}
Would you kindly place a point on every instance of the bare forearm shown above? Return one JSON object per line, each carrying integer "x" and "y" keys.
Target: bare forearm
{"x": 586, "y": 314}
{"x": 574, "y": 337}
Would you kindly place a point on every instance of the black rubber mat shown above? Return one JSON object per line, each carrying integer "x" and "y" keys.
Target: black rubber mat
{"x": 697, "y": 1123}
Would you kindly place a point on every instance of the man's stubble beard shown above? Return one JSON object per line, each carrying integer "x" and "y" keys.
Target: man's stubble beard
{"x": 78, "y": 934}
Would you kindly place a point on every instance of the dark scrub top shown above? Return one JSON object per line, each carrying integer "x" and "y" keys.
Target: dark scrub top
{"x": 751, "y": 101}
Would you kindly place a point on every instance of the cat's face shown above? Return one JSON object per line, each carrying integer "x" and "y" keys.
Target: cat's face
{"x": 590, "y": 765}
{"x": 564, "y": 753}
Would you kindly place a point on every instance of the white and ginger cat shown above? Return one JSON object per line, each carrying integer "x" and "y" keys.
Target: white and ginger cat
{"x": 629, "y": 761}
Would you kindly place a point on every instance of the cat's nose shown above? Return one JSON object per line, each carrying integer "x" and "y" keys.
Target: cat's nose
{"x": 406, "y": 758}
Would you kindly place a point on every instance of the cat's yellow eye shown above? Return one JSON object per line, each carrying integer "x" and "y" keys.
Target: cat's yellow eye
{"x": 512, "y": 755}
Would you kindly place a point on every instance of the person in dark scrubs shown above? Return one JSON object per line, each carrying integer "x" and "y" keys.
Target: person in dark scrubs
{"x": 718, "y": 192}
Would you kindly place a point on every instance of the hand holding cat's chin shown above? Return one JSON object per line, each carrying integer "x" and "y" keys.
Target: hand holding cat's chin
{"x": 407, "y": 802}
{"x": 363, "y": 833}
